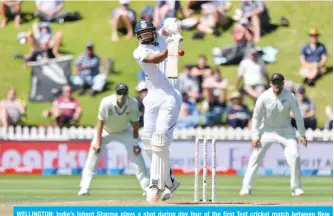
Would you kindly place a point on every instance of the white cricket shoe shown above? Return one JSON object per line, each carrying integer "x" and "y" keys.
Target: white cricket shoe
{"x": 152, "y": 194}
{"x": 298, "y": 192}
{"x": 245, "y": 192}
{"x": 168, "y": 192}
{"x": 83, "y": 192}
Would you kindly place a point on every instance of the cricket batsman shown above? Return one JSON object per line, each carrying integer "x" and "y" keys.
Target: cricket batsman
{"x": 162, "y": 106}
{"x": 271, "y": 123}
{"x": 117, "y": 113}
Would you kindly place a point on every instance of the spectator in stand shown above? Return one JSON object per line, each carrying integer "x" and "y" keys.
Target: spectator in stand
{"x": 307, "y": 108}
{"x": 313, "y": 58}
{"x": 213, "y": 16}
{"x": 257, "y": 13}
{"x": 212, "y": 108}
{"x": 44, "y": 52}
{"x": 194, "y": 6}
{"x": 147, "y": 13}
{"x": 10, "y": 9}
{"x": 254, "y": 74}
{"x": 142, "y": 92}
{"x": 187, "y": 81}
{"x": 243, "y": 36}
{"x": 290, "y": 85}
{"x": 201, "y": 70}
{"x": 42, "y": 31}
{"x": 53, "y": 11}
{"x": 65, "y": 110}
{"x": 189, "y": 84}
{"x": 243, "y": 30}
{"x": 141, "y": 76}
{"x": 329, "y": 113}
{"x": 123, "y": 19}
{"x": 189, "y": 113}
{"x": 11, "y": 109}
{"x": 217, "y": 84}
{"x": 238, "y": 115}
{"x": 87, "y": 73}
{"x": 165, "y": 9}
{"x": 187, "y": 119}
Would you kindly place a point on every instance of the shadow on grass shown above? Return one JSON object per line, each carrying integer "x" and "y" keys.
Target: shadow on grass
{"x": 108, "y": 86}
{"x": 269, "y": 29}
{"x": 26, "y": 17}
{"x": 329, "y": 70}
{"x": 65, "y": 52}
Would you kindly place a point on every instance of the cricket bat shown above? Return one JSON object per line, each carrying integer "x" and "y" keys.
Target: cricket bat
{"x": 172, "y": 59}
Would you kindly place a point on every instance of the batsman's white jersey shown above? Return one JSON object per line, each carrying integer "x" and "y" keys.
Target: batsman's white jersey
{"x": 156, "y": 74}
{"x": 117, "y": 128}
{"x": 163, "y": 93}
{"x": 271, "y": 123}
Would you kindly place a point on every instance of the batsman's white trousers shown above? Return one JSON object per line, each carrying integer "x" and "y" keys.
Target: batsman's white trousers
{"x": 287, "y": 140}
{"x": 160, "y": 116}
{"x": 161, "y": 113}
{"x": 126, "y": 138}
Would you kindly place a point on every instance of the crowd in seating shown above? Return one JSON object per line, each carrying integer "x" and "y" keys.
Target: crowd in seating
{"x": 209, "y": 98}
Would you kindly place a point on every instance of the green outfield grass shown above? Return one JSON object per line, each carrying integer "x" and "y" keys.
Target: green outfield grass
{"x": 95, "y": 27}
{"x": 64, "y": 188}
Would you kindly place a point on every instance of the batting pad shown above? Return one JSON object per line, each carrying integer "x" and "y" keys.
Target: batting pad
{"x": 160, "y": 167}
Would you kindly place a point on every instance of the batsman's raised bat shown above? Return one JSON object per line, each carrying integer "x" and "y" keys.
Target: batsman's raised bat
{"x": 172, "y": 60}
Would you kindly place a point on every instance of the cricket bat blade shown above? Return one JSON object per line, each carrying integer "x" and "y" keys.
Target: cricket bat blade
{"x": 172, "y": 60}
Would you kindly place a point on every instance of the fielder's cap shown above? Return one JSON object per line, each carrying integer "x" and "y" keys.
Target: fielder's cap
{"x": 235, "y": 95}
{"x": 277, "y": 76}
{"x": 141, "y": 86}
{"x": 121, "y": 87}
{"x": 313, "y": 32}
{"x": 89, "y": 45}
{"x": 300, "y": 89}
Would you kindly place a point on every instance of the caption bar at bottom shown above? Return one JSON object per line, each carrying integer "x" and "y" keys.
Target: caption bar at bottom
{"x": 174, "y": 211}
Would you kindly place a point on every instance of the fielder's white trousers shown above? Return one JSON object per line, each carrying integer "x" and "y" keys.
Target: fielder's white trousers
{"x": 289, "y": 144}
{"x": 126, "y": 138}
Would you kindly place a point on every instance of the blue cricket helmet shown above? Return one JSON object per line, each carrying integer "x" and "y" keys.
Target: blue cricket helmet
{"x": 144, "y": 25}
{"x": 142, "y": 32}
